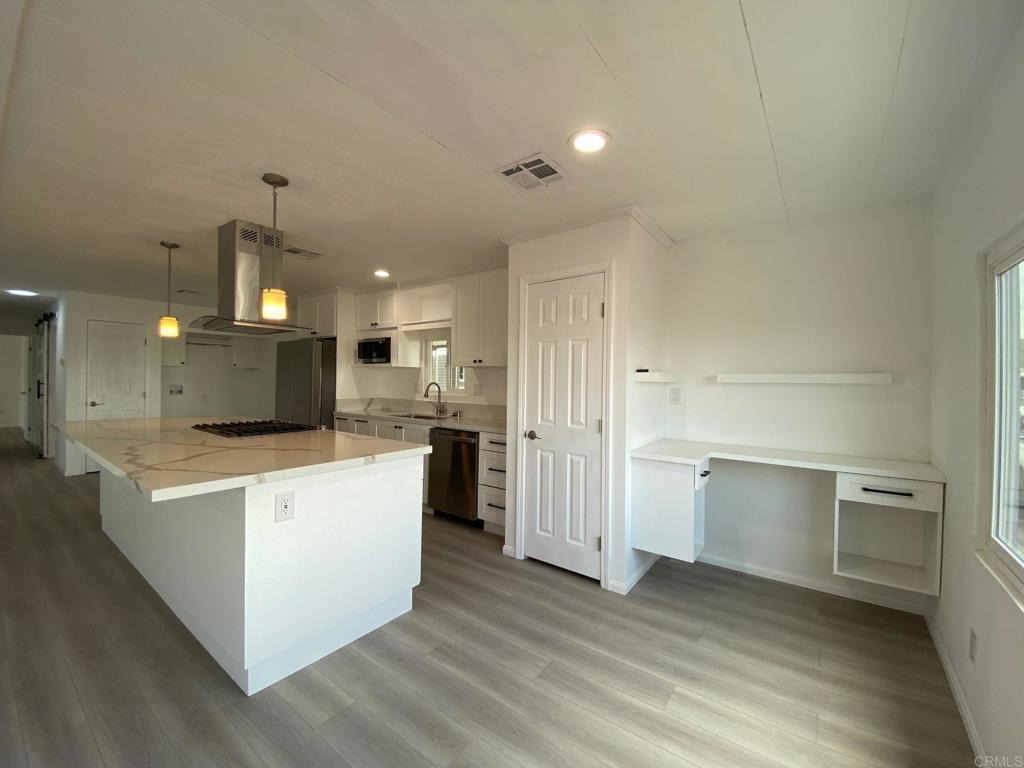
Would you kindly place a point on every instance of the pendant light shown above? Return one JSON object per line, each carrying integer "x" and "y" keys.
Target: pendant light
{"x": 169, "y": 323}
{"x": 274, "y": 300}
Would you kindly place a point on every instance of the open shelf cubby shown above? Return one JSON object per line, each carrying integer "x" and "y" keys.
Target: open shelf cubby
{"x": 894, "y": 546}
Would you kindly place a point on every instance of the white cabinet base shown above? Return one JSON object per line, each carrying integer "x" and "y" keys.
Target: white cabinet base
{"x": 668, "y": 508}
{"x": 266, "y": 599}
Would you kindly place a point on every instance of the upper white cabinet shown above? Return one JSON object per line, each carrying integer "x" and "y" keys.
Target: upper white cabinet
{"x": 243, "y": 352}
{"x": 377, "y": 311}
{"x": 173, "y": 351}
{"x": 480, "y": 319}
{"x": 320, "y": 313}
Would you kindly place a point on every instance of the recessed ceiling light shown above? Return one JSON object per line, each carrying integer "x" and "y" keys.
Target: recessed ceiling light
{"x": 381, "y": 273}
{"x": 21, "y": 292}
{"x": 590, "y": 140}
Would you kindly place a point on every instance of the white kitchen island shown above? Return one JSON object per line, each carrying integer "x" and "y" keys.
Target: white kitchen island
{"x": 195, "y": 514}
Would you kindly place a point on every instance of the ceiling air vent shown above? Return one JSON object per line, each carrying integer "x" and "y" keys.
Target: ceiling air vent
{"x": 247, "y": 234}
{"x": 302, "y": 253}
{"x": 531, "y": 173}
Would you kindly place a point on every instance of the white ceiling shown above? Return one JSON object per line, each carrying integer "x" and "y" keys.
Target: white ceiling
{"x": 132, "y": 121}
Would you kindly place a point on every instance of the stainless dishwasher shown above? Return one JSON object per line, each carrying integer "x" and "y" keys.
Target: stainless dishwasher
{"x": 451, "y": 488}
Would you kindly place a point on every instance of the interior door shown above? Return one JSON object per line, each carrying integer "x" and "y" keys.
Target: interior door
{"x": 37, "y": 394}
{"x": 115, "y": 372}
{"x": 562, "y": 445}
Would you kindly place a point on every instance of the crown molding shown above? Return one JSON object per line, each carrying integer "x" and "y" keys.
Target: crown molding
{"x": 631, "y": 211}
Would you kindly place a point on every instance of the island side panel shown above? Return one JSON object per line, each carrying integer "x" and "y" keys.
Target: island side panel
{"x": 191, "y": 551}
{"x": 345, "y": 565}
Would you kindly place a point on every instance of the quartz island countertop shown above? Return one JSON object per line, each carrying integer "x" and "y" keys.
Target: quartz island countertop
{"x": 166, "y": 459}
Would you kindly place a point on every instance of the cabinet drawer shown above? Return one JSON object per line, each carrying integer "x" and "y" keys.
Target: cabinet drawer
{"x": 492, "y": 441}
{"x": 890, "y": 491}
{"x": 491, "y": 505}
{"x": 492, "y": 469}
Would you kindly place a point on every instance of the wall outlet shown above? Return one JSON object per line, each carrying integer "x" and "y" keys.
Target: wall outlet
{"x": 972, "y": 646}
{"x": 284, "y": 506}
{"x": 675, "y": 395}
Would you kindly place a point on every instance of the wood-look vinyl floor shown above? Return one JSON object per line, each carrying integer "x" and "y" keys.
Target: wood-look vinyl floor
{"x": 500, "y": 663}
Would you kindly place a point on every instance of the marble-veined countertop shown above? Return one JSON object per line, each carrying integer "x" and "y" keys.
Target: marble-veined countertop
{"x": 167, "y": 459}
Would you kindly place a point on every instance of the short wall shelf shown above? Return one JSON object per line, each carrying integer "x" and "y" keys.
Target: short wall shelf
{"x": 655, "y": 377}
{"x": 804, "y": 378}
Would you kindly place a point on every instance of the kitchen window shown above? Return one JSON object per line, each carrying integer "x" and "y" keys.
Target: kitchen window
{"x": 1002, "y": 528}
{"x": 437, "y": 366}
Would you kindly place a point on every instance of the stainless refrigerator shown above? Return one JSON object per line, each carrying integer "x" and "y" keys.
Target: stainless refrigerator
{"x": 305, "y": 381}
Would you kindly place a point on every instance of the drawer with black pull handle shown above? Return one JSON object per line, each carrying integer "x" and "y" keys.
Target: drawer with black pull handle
{"x": 890, "y": 491}
{"x": 492, "y": 441}
{"x": 491, "y": 505}
{"x": 491, "y": 469}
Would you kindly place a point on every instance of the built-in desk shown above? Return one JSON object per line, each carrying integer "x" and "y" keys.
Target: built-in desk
{"x": 888, "y": 514}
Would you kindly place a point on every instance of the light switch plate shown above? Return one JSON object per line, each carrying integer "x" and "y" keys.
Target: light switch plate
{"x": 675, "y": 395}
{"x": 284, "y": 506}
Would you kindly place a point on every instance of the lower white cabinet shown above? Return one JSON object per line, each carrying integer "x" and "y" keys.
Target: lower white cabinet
{"x": 344, "y": 424}
{"x": 668, "y": 508}
{"x": 491, "y": 468}
{"x": 364, "y": 427}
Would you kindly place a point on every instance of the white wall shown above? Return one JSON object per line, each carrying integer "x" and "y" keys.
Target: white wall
{"x": 212, "y": 387}
{"x": 838, "y": 294}
{"x": 13, "y": 381}
{"x": 980, "y": 196}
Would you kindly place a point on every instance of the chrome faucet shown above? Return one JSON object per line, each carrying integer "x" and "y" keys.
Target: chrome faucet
{"x": 442, "y": 409}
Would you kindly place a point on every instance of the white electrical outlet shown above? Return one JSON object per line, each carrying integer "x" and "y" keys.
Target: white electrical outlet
{"x": 972, "y": 647}
{"x": 675, "y": 395}
{"x": 284, "y": 506}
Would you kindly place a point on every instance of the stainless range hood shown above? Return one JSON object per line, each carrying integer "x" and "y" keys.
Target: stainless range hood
{"x": 243, "y": 268}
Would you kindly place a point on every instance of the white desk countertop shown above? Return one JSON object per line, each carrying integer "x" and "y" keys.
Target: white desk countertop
{"x": 695, "y": 453}
{"x": 166, "y": 459}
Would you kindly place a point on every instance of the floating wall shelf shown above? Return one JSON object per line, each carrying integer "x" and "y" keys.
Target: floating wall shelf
{"x": 804, "y": 378}
{"x": 655, "y": 377}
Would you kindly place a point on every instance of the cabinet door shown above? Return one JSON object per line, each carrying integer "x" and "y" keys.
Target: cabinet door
{"x": 327, "y": 314}
{"x": 387, "y": 309}
{"x": 494, "y": 318}
{"x": 366, "y": 311}
{"x": 417, "y": 435}
{"x": 466, "y": 322}
{"x": 173, "y": 351}
{"x": 243, "y": 352}
{"x": 306, "y": 315}
{"x": 344, "y": 424}
{"x": 391, "y": 431}
{"x": 363, "y": 427}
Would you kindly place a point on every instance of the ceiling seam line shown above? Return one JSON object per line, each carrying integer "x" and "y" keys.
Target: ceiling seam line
{"x": 654, "y": 136}
{"x": 764, "y": 111}
{"x": 888, "y": 112}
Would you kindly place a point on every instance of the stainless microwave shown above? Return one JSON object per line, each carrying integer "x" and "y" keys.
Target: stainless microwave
{"x": 374, "y": 351}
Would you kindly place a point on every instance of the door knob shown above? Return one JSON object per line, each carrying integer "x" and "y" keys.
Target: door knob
{"x": 532, "y": 435}
{"x": 93, "y": 403}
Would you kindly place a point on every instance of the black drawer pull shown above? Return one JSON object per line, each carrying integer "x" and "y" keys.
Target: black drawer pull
{"x": 502, "y": 471}
{"x": 495, "y": 442}
{"x": 705, "y": 473}
{"x": 494, "y": 505}
{"x": 905, "y": 494}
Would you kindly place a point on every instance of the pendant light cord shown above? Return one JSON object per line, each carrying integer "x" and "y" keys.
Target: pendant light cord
{"x": 169, "y": 280}
{"x": 277, "y": 255}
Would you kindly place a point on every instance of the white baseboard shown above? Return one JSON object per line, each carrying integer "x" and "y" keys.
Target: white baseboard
{"x": 958, "y": 692}
{"x": 508, "y": 551}
{"x": 910, "y": 605}
{"x": 624, "y": 587}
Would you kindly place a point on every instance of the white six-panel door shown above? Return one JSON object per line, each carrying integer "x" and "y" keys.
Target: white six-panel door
{"x": 564, "y": 358}
{"x": 115, "y": 372}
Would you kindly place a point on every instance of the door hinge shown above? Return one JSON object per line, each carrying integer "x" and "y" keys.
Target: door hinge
{"x": 602, "y": 309}
{"x": 600, "y": 426}
{"x": 598, "y": 543}
{"x": 143, "y": 395}
{"x": 145, "y": 342}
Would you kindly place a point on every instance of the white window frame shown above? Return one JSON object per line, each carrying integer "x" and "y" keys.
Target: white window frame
{"x": 1004, "y": 564}
{"x": 448, "y": 393}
